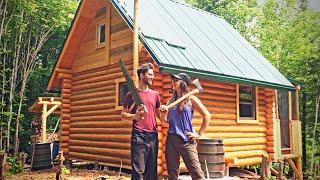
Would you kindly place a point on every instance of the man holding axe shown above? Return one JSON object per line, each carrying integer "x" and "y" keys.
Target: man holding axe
{"x": 141, "y": 105}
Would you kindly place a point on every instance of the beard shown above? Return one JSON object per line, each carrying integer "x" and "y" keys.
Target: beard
{"x": 147, "y": 81}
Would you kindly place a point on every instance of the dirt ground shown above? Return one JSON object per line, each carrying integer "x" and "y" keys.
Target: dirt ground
{"x": 76, "y": 174}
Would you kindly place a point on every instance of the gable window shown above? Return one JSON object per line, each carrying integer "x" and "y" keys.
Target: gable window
{"x": 121, "y": 92}
{"x": 247, "y": 104}
{"x": 101, "y": 34}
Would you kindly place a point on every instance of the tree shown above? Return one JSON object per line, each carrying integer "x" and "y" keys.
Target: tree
{"x": 29, "y": 24}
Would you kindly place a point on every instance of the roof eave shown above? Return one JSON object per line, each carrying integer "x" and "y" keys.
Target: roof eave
{"x": 219, "y": 77}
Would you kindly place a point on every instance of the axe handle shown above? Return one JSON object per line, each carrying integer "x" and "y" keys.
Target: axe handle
{"x": 193, "y": 92}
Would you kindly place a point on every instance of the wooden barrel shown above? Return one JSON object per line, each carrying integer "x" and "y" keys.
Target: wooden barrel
{"x": 211, "y": 157}
{"x": 41, "y": 156}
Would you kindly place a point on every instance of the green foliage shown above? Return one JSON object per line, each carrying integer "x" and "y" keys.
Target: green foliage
{"x": 31, "y": 19}
{"x": 65, "y": 170}
{"x": 15, "y": 166}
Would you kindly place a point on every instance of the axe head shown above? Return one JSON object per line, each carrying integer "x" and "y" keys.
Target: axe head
{"x": 197, "y": 84}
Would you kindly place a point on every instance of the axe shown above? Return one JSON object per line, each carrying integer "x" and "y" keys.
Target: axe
{"x": 193, "y": 92}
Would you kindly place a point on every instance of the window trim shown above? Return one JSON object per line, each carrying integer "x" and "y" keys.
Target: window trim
{"x": 118, "y": 81}
{"x": 98, "y": 44}
{"x": 247, "y": 120}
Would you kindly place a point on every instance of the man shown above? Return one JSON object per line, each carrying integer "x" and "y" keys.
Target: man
{"x": 144, "y": 139}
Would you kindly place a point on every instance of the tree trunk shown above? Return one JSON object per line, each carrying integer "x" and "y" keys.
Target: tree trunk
{"x": 3, "y": 94}
{"x": 314, "y": 133}
{"x": 14, "y": 81}
{"x": 3, "y": 14}
{"x": 16, "y": 135}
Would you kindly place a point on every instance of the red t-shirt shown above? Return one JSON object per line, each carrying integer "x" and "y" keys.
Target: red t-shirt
{"x": 151, "y": 100}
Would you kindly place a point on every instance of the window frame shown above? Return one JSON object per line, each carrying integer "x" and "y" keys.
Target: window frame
{"x": 248, "y": 120}
{"x": 118, "y": 82}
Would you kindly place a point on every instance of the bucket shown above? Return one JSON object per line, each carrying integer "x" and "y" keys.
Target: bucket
{"x": 211, "y": 157}
{"x": 41, "y": 156}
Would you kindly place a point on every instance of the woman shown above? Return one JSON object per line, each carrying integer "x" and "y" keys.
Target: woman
{"x": 181, "y": 136}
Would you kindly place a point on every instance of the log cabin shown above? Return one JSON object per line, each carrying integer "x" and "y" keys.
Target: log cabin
{"x": 255, "y": 109}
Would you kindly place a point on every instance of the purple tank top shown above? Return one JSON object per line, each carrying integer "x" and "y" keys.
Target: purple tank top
{"x": 180, "y": 121}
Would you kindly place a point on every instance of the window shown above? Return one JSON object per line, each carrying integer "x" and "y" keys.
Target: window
{"x": 101, "y": 34}
{"x": 247, "y": 104}
{"x": 121, "y": 92}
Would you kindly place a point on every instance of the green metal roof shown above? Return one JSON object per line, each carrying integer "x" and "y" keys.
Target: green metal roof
{"x": 182, "y": 38}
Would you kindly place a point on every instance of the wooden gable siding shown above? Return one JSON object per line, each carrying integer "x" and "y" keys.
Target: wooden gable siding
{"x": 118, "y": 42}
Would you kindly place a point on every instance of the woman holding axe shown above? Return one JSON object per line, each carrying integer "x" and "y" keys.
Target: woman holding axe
{"x": 181, "y": 135}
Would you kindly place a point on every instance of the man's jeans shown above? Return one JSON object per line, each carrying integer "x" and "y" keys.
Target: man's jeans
{"x": 144, "y": 152}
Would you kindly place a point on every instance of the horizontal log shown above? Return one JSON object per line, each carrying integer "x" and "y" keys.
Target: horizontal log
{"x": 65, "y": 111}
{"x": 104, "y": 83}
{"x": 66, "y": 96}
{"x": 64, "y": 145}
{"x": 95, "y": 113}
{"x": 65, "y": 133}
{"x": 245, "y": 128}
{"x": 103, "y": 124}
{"x": 87, "y": 91}
{"x": 214, "y": 97}
{"x": 100, "y": 130}
{"x": 65, "y": 106}
{"x": 66, "y": 85}
{"x": 103, "y": 70}
{"x": 270, "y": 138}
{"x": 222, "y": 110}
{"x": 65, "y": 127}
{"x": 247, "y": 161}
{"x": 65, "y": 116}
{"x": 101, "y": 158}
{"x": 218, "y": 103}
{"x": 98, "y": 100}
{"x": 244, "y": 148}
{"x": 102, "y": 137}
{"x": 97, "y": 81}
{"x": 270, "y": 149}
{"x": 66, "y": 91}
{"x": 270, "y": 143}
{"x": 64, "y": 76}
{"x": 232, "y": 135}
{"x": 245, "y": 154}
{"x": 244, "y": 141}
{"x": 91, "y": 107}
{"x": 67, "y": 81}
{"x": 65, "y": 101}
{"x": 97, "y": 118}
{"x": 65, "y": 121}
{"x": 93, "y": 95}
{"x": 60, "y": 70}
{"x": 269, "y": 132}
{"x": 64, "y": 139}
{"x": 100, "y": 144}
{"x": 120, "y": 153}
{"x": 215, "y": 122}
{"x": 213, "y": 84}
